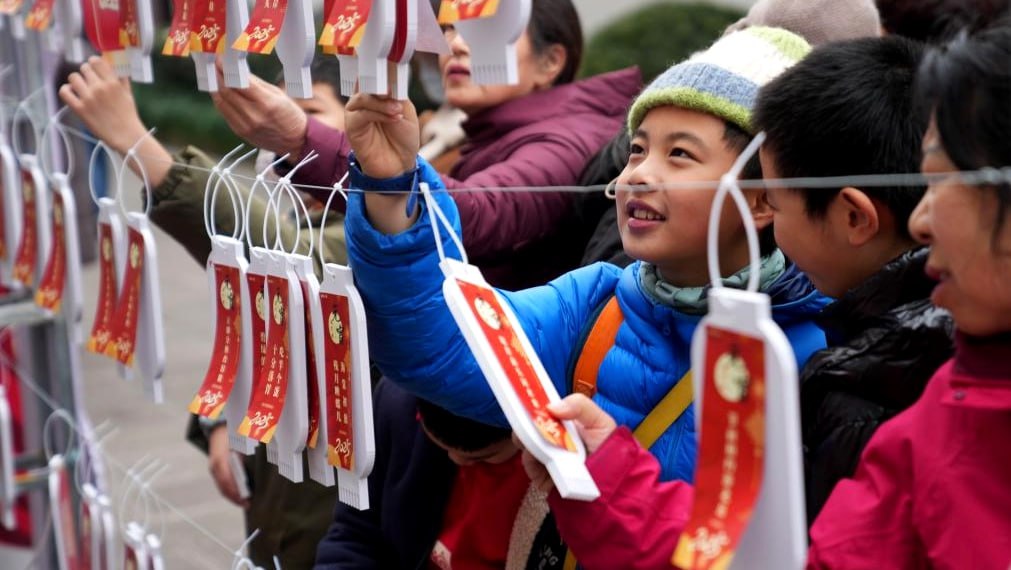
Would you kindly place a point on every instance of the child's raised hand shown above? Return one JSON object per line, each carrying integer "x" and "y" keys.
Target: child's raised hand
{"x": 592, "y": 423}
{"x": 384, "y": 133}
{"x": 105, "y": 103}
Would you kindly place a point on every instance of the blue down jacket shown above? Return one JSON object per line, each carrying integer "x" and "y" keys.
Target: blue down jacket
{"x": 416, "y": 343}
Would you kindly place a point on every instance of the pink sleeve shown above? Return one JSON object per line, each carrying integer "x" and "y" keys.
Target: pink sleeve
{"x": 636, "y": 521}
{"x": 867, "y": 521}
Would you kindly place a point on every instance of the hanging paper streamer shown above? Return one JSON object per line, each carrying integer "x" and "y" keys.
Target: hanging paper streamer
{"x": 234, "y": 61}
{"x": 110, "y": 235}
{"x": 68, "y": 296}
{"x": 310, "y": 298}
{"x": 749, "y": 494}
{"x": 136, "y": 35}
{"x": 68, "y": 13}
{"x": 452, "y": 11}
{"x": 10, "y": 203}
{"x": 404, "y": 40}
{"x": 264, "y": 411}
{"x": 24, "y": 259}
{"x": 347, "y": 399}
{"x": 492, "y": 41}
{"x": 62, "y": 510}
{"x": 10, "y": 7}
{"x": 207, "y": 41}
{"x": 178, "y": 41}
{"x": 226, "y": 273}
{"x": 135, "y": 555}
{"x": 260, "y": 35}
{"x": 123, "y": 341}
{"x": 220, "y": 376}
{"x": 40, "y": 16}
{"x": 101, "y": 25}
{"x": 375, "y": 47}
{"x": 511, "y": 366}
{"x": 154, "y": 556}
{"x": 8, "y": 492}
{"x": 296, "y": 46}
{"x": 49, "y": 294}
{"x": 344, "y": 24}
{"x": 729, "y": 471}
{"x": 92, "y": 536}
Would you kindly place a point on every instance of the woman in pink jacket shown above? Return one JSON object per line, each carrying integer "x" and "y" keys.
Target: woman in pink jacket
{"x": 932, "y": 489}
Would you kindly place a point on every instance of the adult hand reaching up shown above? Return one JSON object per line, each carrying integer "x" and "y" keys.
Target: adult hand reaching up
{"x": 263, "y": 115}
{"x": 105, "y": 103}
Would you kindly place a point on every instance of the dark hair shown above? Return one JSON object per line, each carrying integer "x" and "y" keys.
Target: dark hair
{"x": 325, "y": 69}
{"x": 737, "y": 140}
{"x": 556, "y": 22}
{"x": 968, "y": 85}
{"x": 848, "y": 108}
{"x": 456, "y": 432}
{"x": 936, "y": 21}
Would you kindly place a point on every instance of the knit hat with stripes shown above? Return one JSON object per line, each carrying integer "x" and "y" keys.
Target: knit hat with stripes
{"x": 723, "y": 80}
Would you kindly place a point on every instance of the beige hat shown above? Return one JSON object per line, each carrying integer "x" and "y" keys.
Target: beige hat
{"x": 817, "y": 21}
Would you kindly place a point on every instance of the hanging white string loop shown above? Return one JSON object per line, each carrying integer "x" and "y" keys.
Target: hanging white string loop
{"x": 131, "y": 155}
{"x": 338, "y": 188}
{"x": 728, "y": 185}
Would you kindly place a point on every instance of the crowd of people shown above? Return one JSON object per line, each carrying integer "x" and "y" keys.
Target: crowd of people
{"x": 892, "y": 295}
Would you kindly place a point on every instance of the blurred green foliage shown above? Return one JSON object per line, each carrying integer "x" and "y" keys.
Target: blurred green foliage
{"x": 655, "y": 37}
{"x": 182, "y": 114}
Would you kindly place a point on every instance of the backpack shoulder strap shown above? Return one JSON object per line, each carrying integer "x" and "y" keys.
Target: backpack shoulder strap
{"x": 595, "y": 346}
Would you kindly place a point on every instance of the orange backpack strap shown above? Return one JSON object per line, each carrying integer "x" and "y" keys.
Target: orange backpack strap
{"x": 595, "y": 347}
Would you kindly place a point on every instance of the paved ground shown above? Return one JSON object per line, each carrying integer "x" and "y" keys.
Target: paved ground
{"x": 159, "y": 429}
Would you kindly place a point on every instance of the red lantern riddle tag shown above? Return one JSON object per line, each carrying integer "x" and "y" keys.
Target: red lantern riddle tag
{"x": 260, "y": 35}
{"x": 267, "y": 403}
{"x": 49, "y": 295}
{"x": 220, "y": 377}
{"x": 24, "y": 259}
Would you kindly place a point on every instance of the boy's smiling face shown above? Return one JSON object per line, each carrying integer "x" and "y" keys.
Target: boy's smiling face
{"x": 668, "y": 227}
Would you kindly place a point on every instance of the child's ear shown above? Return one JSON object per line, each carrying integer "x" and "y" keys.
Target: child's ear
{"x": 859, "y": 216}
{"x": 761, "y": 211}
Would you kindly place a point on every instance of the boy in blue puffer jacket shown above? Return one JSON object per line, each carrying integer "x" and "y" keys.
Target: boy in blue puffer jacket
{"x": 688, "y": 125}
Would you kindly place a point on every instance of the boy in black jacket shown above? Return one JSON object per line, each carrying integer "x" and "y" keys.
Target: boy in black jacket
{"x": 848, "y": 109}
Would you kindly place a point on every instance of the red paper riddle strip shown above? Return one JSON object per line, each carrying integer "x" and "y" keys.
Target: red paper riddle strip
{"x": 337, "y": 352}
{"x": 49, "y": 295}
{"x": 40, "y": 16}
{"x": 452, "y": 11}
{"x": 310, "y": 361}
{"x": 101, "y": 24}
{"x": 260, "y": 35}
{"x": 208, "y": 27}
{"x": 509, "y": 353}
{"x": 178, "y": 41}
{"x": 105, "y": 309}
{"x": 267, "y": 402}
{"x": 123, "y": 342}
{"x": 220, "y": 377}
{"x": 24, "y": 259}
{"x": 345, "y": 24}
{"x": 730, "y": 467}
